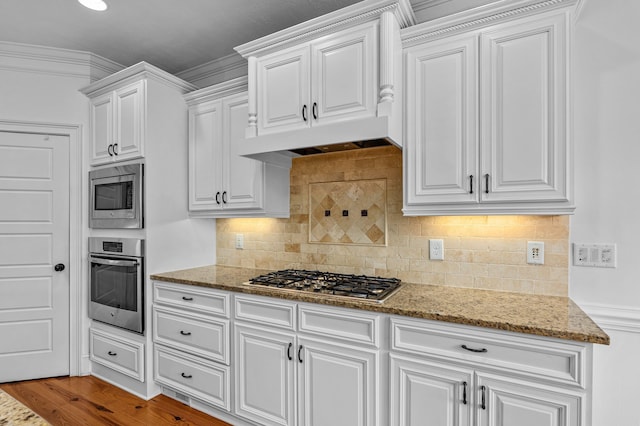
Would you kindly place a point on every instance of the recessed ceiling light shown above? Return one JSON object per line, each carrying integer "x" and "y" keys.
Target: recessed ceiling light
{"x": 94, "y": 4}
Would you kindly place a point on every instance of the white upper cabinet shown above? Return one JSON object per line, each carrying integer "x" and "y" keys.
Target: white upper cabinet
{"x": 124, "y": 106}
{"x": 487, "y": 128}
{"x": 320, "y": 82}
{"x": 221, "y": 182}
{"x": 334, "y": 79}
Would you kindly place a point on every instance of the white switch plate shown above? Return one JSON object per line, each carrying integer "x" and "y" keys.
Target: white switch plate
{"x": 239, "y": 241}
{"x": 598, "y": 255}
{"x": 436, "y": 249}
{"x": 535, "y": 252}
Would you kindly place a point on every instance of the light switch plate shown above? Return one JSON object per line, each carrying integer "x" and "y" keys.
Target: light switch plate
{"x": 597, "y": 255}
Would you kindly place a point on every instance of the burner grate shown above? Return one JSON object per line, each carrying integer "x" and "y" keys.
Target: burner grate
{"x": 346, "y": 285}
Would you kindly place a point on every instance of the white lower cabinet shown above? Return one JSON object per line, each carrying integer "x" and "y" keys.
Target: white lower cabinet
{"x": 286, "y": 377}
{"x": 191, "y": 343}
{"x": 448, "y": 376}
{"x": 257, "y": 360}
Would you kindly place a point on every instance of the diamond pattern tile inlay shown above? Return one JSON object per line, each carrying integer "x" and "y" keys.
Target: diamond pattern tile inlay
{"x": 354, "y": 197}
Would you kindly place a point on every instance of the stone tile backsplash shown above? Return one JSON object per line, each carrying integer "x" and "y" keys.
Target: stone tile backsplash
{"x": 487, "y": 252}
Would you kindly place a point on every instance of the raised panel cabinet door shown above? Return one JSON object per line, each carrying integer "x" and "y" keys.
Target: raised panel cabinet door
{"x": 129, "y": 114}
{"x": 524, "y": 141}
{"x": 428, "y": 393}
{"x": 510, "y": 402}
{"x": 243, "y": 178}
{"x": 205, "y": 150}
{"x": 337, "y": 385}
{"x": 344, "y": 75}
{"x": 441, "y": 164}
{"x": 102, "y": 129}
{"x": 264, "y": 375}
{"x": 283, "y": 90}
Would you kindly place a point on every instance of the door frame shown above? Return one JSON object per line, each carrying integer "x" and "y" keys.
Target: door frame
{"x": 76, "y": 223}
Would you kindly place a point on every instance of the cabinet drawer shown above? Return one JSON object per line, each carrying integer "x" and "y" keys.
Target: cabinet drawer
{"x": 117, "y": 353}
{"x": 196, "y": 334}
{"x": 265, "y": 311}
{"x": 200, "y": 379}
{"x": 191, "y": 297}
{"x": 343, "y": 324}
{"x": 533, "y": 356}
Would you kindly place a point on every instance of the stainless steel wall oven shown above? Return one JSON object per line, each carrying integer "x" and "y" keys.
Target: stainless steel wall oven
{"x": 116, "y": 268}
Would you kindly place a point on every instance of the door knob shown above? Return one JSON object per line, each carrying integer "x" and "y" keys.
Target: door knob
{"x": 59, "y": 267}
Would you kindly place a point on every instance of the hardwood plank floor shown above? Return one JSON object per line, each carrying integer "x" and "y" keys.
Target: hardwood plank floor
{"x": 88, "y": 400}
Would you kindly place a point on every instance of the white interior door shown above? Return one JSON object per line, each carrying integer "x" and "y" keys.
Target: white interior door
{"x": 34, "y": 237}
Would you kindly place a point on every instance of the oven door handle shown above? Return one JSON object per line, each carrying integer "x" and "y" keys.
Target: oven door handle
{"x": 114, "y": 262}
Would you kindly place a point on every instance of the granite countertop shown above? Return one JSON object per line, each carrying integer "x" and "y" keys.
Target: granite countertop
{"x": 550, "y": 316}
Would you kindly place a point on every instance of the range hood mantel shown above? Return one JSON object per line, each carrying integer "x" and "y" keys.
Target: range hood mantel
{"x": 369, "y": 68}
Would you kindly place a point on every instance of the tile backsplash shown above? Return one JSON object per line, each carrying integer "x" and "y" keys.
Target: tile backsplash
{"x": 486, "y": 252}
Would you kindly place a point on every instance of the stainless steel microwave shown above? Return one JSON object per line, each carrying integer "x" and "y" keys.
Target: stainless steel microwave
{"x": 116, "y": 197}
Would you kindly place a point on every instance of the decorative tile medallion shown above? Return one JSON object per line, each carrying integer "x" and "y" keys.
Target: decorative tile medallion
{"x": 348, "y": 212}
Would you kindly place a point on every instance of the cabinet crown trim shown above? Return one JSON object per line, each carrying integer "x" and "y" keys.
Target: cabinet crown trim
{"x": 217, "y": 91}
{"x": 365, "y": 11}
{"x": 133, "y": 73}
{"x": 479, "y": 17}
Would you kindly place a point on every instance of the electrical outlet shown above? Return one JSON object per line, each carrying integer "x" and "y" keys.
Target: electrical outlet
{"x": 436, "y": 249}
{"x": 535, "y": 252}
{"x": 239, "y": 241}
{"x": 598, "y": 255}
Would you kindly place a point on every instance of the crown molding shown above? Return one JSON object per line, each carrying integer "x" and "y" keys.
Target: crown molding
{"x": 55, "y": 61}
{"x": 215, "y": 71}
{"x": 217, "y": 91}
{"x": 479, "y": 17}
{"x": 358, "y": 13}
{"x": 139, "y": 71}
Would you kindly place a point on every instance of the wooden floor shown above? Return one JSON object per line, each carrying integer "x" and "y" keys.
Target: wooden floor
{"x": 90, "y": 401}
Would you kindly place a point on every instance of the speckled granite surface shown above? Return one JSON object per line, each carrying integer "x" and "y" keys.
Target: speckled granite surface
{"x": 14, "y": 413}
{"x": 550, "y": 316}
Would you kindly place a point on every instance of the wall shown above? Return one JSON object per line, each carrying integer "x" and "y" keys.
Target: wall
{"x": 607, "y": 146}
{"x": 483, "y": 252}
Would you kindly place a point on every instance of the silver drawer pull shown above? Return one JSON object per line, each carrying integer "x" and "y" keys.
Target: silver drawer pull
{"x": 185, "y": 333}
{"x": 186, "y": 376}
{"x": 481, "y": 350}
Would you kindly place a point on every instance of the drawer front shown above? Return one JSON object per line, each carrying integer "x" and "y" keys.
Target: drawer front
{"x": 200, "y": 299}
{"x": 265, "y": 311}
{"x": 196, "y": 334}
{"x": 534, "y": 356}
{"x": 117, "y": 353}
{"x": 200, "y": 379}
{"x": 341, "y": 324}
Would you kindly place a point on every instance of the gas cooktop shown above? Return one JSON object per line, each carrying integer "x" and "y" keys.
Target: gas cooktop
{"x": 374, "y": 289}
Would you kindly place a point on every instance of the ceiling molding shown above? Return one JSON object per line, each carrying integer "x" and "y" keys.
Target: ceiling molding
{"x": 216, "y": 71}
{"x": 217, "y": 91}
{"x": 55, "y": 61}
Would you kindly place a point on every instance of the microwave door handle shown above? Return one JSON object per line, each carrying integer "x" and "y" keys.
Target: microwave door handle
{"x": 114, "y": 262}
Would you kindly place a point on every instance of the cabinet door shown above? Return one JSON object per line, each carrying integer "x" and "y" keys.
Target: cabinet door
{"x": 429, "y": 393}
{"x": 264, "y": 375}
{"x": 129, "y": 121}
{"x": 102, "y": 129}
{"x": 243, "y": 177}
{"x": 344, "y": 75}
{"x": 509, "y": 402}
{"x": 524, "y": 111}
{"x": 338, "y": 385}
{"x": 283, "y": 90}
{"x": 205, "y": 147}
{"x": 442, "y": 131}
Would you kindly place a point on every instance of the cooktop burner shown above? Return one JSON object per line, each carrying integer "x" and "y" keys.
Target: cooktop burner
{"x": 375, "y": 289}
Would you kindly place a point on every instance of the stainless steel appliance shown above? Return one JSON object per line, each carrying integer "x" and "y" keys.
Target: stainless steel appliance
{"x": 116, "y": 197}
{"x": 374, "y": 289}
{"x": 117, "y": 282}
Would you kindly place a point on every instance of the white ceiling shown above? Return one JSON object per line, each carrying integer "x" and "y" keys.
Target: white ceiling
{"x": 174, "y": 35}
